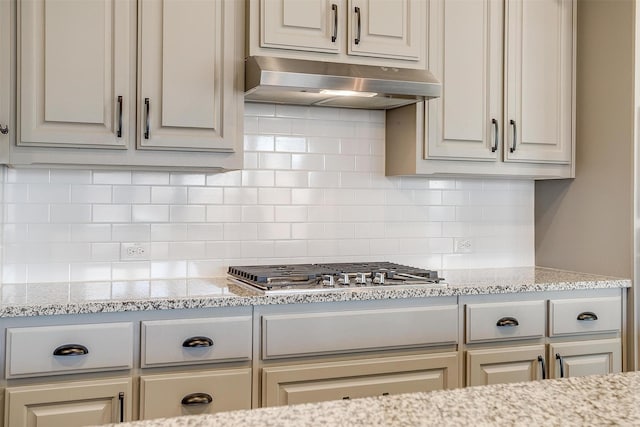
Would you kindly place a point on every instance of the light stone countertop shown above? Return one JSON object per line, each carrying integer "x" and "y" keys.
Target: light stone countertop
{"x": 594, "y": 401}
{"x": 121, "y": 296}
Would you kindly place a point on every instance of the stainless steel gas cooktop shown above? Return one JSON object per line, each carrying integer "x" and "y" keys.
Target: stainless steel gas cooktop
{"x": 322, "y": 277}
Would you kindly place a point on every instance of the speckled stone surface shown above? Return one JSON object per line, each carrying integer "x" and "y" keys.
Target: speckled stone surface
{"x": 121, "y": 296}
{"x": 593, "y": 401}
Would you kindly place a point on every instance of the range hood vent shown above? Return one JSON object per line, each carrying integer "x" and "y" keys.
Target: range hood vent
{"x": 330, "y": 84}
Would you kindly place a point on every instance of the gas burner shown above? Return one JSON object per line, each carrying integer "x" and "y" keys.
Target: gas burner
{"x": 319, "y": 277}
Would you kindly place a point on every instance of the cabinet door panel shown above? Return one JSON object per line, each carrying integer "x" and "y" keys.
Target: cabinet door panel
{"x": 539, "y": 58}
{"x": 74, "y": 64}
{"x": 302, "y": 25}
{"x": 465, "y": 54}
{"x": 504, "y": 365}
{"x": 70, "y": 404}
{"x": 358, "y": 378}
{"x": 387, "y": 29}
{"x": 585, "y": 358}
{"x": 181, "y": 107}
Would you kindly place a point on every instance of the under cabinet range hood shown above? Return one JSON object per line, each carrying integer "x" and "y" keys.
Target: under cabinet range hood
{"x": 330, "y": 84}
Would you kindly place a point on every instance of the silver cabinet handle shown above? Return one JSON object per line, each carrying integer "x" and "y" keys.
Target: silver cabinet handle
{"x": 587, "y": 315}
{"x": 495, "y": 135}
{"x": 71, "y": 350}
{"x": 541, "y": 361}
{"x": 334, "y": 37}
{"x": 4, "y": 130}
{"x": 195, "y": 399}
{"x": 358, "y": 26}
{"x": 559, "y": 359}
{"x": 119, "y": 132}
{"x": 507, "y": 322}
{"x": 515, "y": 136}
{"x": 146, "y": 126}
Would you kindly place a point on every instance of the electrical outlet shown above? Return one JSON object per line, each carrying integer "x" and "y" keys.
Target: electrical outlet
{"x": 134, "y": 251}
{"x": 463, "y": 246}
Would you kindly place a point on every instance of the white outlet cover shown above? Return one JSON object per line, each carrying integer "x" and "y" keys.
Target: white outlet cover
{"x": 463, "y": 246}
{"x": 134, "y": 251}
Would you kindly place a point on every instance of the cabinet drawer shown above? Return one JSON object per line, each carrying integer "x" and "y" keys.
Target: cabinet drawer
{"x": 166, "y": 342}
{"x": 505, "y": 321}
{"x": 333, "y": 332}
{"x": 584, "y": 315}
{"x": 316, "y": 382}
{"x": 108, "y": 346}
{"x": 168, "y": 395}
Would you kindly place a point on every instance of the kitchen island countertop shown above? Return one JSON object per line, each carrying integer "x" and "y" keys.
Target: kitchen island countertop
{"x": 595, "y": 400}
{"x": 122, "y": 296}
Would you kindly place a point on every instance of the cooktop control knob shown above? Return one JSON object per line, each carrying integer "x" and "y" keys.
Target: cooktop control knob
{"x": 327, "y": 280}
{"x": 344, "y": 279}
{"x": 379, "y": 278}
{"x": 361, "y": 279}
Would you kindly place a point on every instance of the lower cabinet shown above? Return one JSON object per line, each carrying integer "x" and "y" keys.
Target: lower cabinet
{"x": 576, "y": 359}
{"x": 71, "y": 404}
{"x": 202, "y": 392}
{"x": 317, "y": 382}
{"x": 505, "y": 365}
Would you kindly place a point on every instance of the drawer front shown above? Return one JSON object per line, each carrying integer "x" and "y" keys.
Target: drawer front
{"x": 171, "y": 395}
{"x": 585, "y": 315}
{"x": 318, "y": 333}
{"x": 505, "y": 321}
{"x": 166, "y": 342}
{"x": 109, "y": 346}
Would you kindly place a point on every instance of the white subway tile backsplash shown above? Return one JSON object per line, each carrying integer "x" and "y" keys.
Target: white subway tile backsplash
{"x": 91, "y": 193}
{"x": 168, "y": 232}
{"x": 131, "y": 232}
{"x": 312, "y": 189}
{"x": 150, "y": 213}
{"x": 169, "y": 195}
{"x": 131, "y": 194}
{"x": 111, "y": 213}
{"x": 259, "y": 143}
{"x": 188, "y": 213}
{"x": 90, "y": 232}
{"x": 112, "y": 177}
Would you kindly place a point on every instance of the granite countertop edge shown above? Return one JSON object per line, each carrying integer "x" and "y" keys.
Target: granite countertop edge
{"x": 463, "y": 282}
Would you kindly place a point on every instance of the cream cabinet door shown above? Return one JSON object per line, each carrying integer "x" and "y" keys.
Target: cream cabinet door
{"x": 204, "y": 392}
{"x": 187, "y": 75}
{"x": 317, "y": 382}
{"x": 309, "y": 25}
{"x": 7, "y": 131}
{"x": 75, "y": 71}
{"x": 505, "y": 365}
{"x": 387, "y": 28}
{"x": 465, "y": 54}
{"x": 69, "y": 404}
{"x": 539, "y": 84}
{"x": 577, "y": 359}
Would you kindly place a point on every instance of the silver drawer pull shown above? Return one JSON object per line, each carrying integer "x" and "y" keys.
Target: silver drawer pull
{"x": 198, "y": 342}
{"x": 587, "y": 315}
{"x": 71, "y": 350}
{"x": 507, "y": 322}
{"x": 195, "y": 399}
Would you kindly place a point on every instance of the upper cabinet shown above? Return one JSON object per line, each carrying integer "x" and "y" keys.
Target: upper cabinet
{"x": 373, "y": 32}
{"x": 120, "y": 83}
{"x": 508, "y": 104}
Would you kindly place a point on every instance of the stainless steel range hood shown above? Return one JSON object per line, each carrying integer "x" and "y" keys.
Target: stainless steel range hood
{"x": 294, "y": 81}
